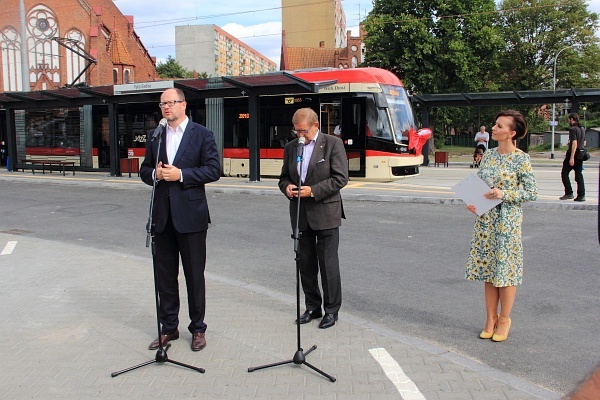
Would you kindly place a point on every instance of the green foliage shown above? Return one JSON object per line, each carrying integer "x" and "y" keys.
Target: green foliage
{"x": 440, "y": 46}
{"x": 172, "y": 69}
{"x": 535, "y": 32}
{"x": 458, "y": 46}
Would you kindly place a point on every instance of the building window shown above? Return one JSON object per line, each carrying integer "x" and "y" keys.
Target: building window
{"x": 126, "y": 76}
{"x": 115, "y": 76}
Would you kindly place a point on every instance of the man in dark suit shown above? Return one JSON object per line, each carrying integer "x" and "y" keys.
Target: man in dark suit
{"x": 187, "y": 160}
{"x": 324, "y": 174}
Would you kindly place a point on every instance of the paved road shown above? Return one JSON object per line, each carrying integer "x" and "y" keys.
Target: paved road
{"x": 424, "y": 301}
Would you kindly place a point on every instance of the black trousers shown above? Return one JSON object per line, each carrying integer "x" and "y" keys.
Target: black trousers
{"x": 170, "y": 244}
{"x": 564, "y": 174}
{"x": 318, "y": 252}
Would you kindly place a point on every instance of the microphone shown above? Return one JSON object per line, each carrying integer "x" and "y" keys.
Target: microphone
{"x": 301, "y": 142}
{"x": 489, "y": 182}
{"x": 159, "y": 129}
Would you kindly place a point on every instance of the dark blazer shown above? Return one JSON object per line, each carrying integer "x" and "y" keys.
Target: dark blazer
{"x": 198, "y": 160}
{"x": 327, "y": 174}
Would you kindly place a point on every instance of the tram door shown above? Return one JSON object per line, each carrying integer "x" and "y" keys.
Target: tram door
{"x": 354, "y": 123}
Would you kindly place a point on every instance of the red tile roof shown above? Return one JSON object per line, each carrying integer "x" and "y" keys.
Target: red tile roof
{"x": 309, "y": 57}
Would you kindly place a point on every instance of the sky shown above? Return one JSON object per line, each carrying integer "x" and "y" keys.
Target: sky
{"x": 258, "y": 24}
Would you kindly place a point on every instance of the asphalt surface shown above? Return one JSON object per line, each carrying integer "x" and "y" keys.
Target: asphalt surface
{"x": 74, "y": 317}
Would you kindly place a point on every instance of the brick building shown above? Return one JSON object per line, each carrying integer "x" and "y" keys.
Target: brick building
{"x": 63, "y": 38}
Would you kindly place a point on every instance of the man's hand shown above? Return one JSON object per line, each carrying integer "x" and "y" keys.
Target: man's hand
{"x": 292, "y": 191}
{"x": 159, "y": 169}
{"x": 170, "y": 173}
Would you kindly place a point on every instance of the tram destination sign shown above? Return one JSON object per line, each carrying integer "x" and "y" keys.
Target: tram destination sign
{"x": 142, "y": 87}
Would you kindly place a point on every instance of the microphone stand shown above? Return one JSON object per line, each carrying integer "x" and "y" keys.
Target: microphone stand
{"x": 300, "y": 356}
{"x": 161, "y": 353}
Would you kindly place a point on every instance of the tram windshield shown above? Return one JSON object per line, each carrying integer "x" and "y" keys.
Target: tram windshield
{"x": 400, "y": 111}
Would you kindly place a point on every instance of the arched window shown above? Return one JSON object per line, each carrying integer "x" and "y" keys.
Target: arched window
{"x": 10, "y": 53}
{"x": 126, "y": 76}
{"x": 75, "y": 63}
{"x": 44, "y": 59}
{"x": 115, "y": 76}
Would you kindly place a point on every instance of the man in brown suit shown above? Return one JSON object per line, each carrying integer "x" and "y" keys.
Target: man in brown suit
{"x": 324, "y": 174}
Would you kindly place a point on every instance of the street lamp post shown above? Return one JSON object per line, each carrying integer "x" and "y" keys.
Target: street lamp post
{"x": 553, "y": 105}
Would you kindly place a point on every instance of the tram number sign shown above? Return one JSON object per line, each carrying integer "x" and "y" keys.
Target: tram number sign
{"x": 553, "y": 123}
{"x": 289, "y": 100}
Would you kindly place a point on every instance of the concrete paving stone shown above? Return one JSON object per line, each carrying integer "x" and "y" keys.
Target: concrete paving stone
{"x": 473, "y": 384}
{"x": 364, "y": 388}
{"x": 488, "y": 395}
{"x": 454, "y": 396}
{"x": 384, "y": 396}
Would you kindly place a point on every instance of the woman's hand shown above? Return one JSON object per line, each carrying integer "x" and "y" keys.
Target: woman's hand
{"x": 493, "y": 194}
{"x": 471, "y": 208}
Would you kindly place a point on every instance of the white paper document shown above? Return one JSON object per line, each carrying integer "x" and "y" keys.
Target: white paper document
{"x": 471, "y": 190}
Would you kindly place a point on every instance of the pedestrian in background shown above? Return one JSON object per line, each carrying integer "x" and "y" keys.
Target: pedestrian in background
{"x": 496, "y": 255}
{"x": 571, "y": 163}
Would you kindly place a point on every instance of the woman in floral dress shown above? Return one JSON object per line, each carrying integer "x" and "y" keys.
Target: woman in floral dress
{"x": 496, "y": 255}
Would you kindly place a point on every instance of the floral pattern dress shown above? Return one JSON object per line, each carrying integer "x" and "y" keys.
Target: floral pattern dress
{"x": 496, "y": 254}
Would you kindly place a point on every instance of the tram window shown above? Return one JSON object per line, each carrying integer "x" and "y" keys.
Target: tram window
{"x": 377, "y": 121}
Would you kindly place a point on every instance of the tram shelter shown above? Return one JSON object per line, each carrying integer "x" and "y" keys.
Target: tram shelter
{"x": 108, "y": 104}
{"x": 114, "y": 101}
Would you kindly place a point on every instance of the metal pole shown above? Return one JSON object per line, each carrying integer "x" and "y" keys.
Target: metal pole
{"x": 553, "y": 105}
{"x": 24, "y": 51}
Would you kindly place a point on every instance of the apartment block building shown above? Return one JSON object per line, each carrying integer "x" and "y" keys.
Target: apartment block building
{"x": 209, "y": 49}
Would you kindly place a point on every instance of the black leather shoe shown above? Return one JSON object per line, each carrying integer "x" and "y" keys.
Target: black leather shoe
{"x": 164, "y": 339}
{"x": 582, "y": 198}
{"x": 566, "y": 197}
{"x": 328, "y": 321}
{"x": 309, "y": 315}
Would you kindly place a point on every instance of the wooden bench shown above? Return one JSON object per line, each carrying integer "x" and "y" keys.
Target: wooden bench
{"x": 129, "y": 165}
{"x": 46, "y": 164}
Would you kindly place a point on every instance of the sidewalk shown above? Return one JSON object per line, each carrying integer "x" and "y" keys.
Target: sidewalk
{"x": 73, "y": 315}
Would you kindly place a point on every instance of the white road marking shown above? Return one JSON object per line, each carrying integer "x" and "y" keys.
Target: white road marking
{"x": 10, "y": 246}
{"x": 408, "y": 390}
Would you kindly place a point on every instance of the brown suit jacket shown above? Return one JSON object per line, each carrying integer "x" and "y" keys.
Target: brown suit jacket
{"x": 327, "y": 174}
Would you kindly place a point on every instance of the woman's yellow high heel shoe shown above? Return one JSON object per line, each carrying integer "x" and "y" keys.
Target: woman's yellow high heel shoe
{"x": 502, "y": 338}
{"x": 488, "y": 335}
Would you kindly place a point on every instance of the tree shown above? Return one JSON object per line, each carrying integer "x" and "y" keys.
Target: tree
{"x": 172, "y": 69}
{"x": 535, "y": 31}
{"x": 436, "y": 46}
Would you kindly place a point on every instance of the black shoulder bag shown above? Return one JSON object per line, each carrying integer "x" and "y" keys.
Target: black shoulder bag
{"x": 581, "y": 152}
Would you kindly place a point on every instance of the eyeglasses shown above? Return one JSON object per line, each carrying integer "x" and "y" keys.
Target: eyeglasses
{"x": 169, "y": 103}
{"x": 300, "y": 132}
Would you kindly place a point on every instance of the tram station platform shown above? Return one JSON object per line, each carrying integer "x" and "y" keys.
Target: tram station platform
{"x": 433, "y": 184}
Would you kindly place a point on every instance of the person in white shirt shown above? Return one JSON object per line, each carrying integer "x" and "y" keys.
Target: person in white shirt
{"x": 482, "y": 137}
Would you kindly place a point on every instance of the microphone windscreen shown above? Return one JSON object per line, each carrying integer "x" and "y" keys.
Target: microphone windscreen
{"x": 302, "y": 140}
{"x": 163, "y": 122}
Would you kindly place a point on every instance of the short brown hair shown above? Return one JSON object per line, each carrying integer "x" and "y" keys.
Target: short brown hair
{"x": 519, "y": 123}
